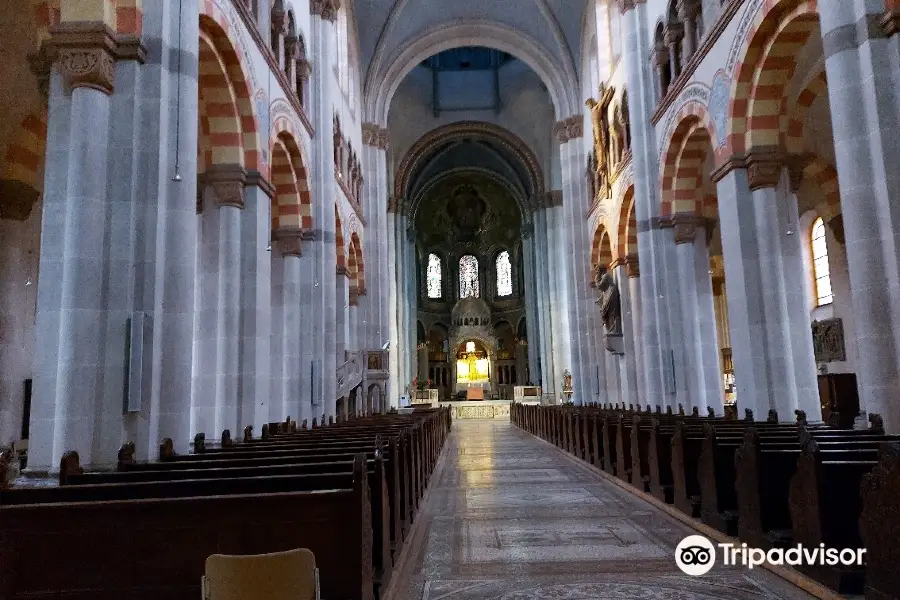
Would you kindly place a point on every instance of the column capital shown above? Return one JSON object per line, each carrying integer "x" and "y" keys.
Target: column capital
{"x": 527, "y": 230}
{"x": 41, "y": 65}
{"x": 342, "y": 270}
{"x": 227, "y": 184}
{"x": 304, "y": 69}
{"x": 554, "y": 198}
{"x": 626, "y": 5}
{"x": 674, "y": 32}
{"x": 289, "y": 241}
{"x": 764, "y": 167}
{"x": 632, "y": 267}
{"x": 569, "y": 129}
{"x": 375, "y": 135}
{"x": 326, "y": 9}
{"x": 396, "y": 204}
{"x": 685, "y": 226}
{"x": 85, "y": 53}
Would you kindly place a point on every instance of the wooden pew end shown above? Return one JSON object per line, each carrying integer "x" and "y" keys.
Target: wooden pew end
{"x": 126, "y": 455}
{"x": 70, "y": 464}
{"x": 200, "y": 443}
{"x": 248, "y": 433}
{"x": 166, "y": 449}
{"x": 876, "y": 423}
{"x": 226, "y": 438}
{"x": 265, "y": 431}
{"x": 5, "y": 459}
{"x": 773, "y": 416}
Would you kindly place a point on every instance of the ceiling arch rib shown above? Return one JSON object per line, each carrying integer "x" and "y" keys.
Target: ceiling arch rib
{"x": 382, "y": 81}
{"x": 467, "y": 153}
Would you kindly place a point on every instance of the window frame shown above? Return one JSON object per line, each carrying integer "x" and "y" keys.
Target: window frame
{"x": 476, "y": 282}
{"x": 819, "y": 278}
{"x": 509, "y": 266}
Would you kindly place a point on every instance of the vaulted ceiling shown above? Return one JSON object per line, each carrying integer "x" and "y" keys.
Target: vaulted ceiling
{"x": 386, "y": 27}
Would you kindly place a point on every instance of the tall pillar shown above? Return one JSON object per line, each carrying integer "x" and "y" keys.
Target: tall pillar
{"x": 531, "y": 324}
{"x": 627, "y": 361}
{"x": 288, "y": 244}
{"x": 375, "y": 330}
{"x": 323, "y": 91}
{"x": 577, "y": 273}
{"x": 548, "y": 382}
{"x": 702, "y": 369}
{"x": 342, "y": 314}
{"x": 862, "y": 91}
{"x": 394, "y": 390}
{"x": 774, "y": 367}
{"x": 632, "y": 319}
{"x": 277, "y": 336}
{"x": 642, "y": 100}
{"x": 309, "y": 347}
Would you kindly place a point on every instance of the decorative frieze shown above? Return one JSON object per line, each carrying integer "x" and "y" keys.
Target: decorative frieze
{"x": 289, "y": 241}
{"x": 828, "y": 340}
{"x": 569, "y": 129}
{"x": 326, "y": 9}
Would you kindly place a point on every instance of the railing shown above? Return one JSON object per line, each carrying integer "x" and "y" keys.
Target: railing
{"x": 350, "y": 374}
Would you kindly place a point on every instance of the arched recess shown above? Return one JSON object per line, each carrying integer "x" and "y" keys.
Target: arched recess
{"x": 755, "y": 119}
{"x": 298, "y": 213}
{"x": 685, "y": 184}
{"x": 386, "y": 72}
{"x": 626, "y": 240}
{"x": 418, "y": 156}
{"x": 227, "y": 121}
{"x": 286, "y": 207}
{"x": 601, "y": 248}
{"x": 360, "y": 273}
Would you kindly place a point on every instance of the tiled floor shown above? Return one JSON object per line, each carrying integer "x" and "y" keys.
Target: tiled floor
{"x": 508, "y": 517}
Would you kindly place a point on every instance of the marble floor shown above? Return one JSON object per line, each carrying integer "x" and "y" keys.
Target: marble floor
{"x": 508, "y": 517}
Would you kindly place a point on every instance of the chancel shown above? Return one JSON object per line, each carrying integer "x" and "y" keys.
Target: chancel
{"x": 447, "y": 300}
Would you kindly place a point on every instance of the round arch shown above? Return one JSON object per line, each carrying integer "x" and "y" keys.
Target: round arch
{"x": 381, "y": 84}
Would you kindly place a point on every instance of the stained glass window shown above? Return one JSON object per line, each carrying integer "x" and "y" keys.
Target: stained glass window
{"x": 434, "y": 276}
{"x": 821, "y": 272}
{"x": 468, "y": 277}
{"x": 504, "y": 274}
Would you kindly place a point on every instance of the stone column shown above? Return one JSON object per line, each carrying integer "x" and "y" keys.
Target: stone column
{"x": 323, "y": 92}
{"x": 654, "y": 342}
{"x": 673, "y": 36}
{"x": 288, "y": 244}
{"x": 577, "y": 273}
{"x": 375, "y": 187}
{"x": 309, "y": 347}
{"x": 71, "y": 313}
{"x": 702, "y": 372}
{"x": 548, "y": 381}
{"x": 277, "y": 334}
{"x": 531, "y": 324}
{"x": 771, "y": 345}
{"x": 687, "y": 10}
{"x": 632, "y": 315}
{"x": 394, "y": 390}
{"x": 862, "y": 88}
{"x": 342, "y": 315}
{"x": 411, "y": 300}
{"x": 675, "y": 358}
{"x": 627, "y": 362}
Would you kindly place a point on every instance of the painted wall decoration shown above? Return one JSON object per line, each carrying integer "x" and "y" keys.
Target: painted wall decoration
{"x": 719, "y": 96}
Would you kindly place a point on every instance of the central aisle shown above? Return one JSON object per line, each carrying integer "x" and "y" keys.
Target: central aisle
{"x": 508, "y": 517}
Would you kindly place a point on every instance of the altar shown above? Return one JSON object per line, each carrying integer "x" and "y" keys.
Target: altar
{"x": 478, "y": 409}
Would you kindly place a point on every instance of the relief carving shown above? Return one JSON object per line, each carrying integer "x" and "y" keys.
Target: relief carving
{"x": 828, "y": 340}
{"x": 85, "y": 55}
{"x": 326, "y": 9}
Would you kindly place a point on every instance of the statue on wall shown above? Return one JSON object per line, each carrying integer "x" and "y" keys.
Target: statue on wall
{"x": 610, "y": 307}
{"x": 603, "y": 133}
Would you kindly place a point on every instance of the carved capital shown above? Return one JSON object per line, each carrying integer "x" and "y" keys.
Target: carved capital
{"x": 569, "y": 129}
{"x": 735, "y": 161}
{"x": 226, "y": 183}
{"x": 554, "y": 198}
{"x": 85, "y": 54}
{"x": 796, "y": 163}
{"x": 375, "y": 136}
{"x": 674, "y": 33}
{"x": 41, "y": 65}
{"x": 764, "y": 168}
{"x": 686, "y": 226}
{"x": 326, "y": 9}
{"x": 289, "y": 241}
{"x": 626, "y": 5}
{"x": 632, "y": 267}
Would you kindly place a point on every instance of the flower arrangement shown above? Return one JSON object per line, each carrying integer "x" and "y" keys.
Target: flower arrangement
{"x": 421, "y": 385}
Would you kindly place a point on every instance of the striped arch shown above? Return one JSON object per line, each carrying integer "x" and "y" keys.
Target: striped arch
{"x": 284, "y": 133}
{"x": 25, "y": 154}
{"x": 626, "y": 240}
{"x": 779, "y": 30}
{"x": 129, "y": 17}
{"x": 824, "y": 179}
{"x": 796, "y": 114}
{"x": 682, "y": 170}
{"x": 353, "y": 269}
{"x": 286, "y": 201}
{"x": 242, "y": 140}
{"x": 360, "y": 263}
{"x": 601, "y": 248}
{"x": 339, "y": 242}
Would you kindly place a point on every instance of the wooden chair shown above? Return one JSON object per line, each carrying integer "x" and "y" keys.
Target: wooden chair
{"x": 290, "y": 575}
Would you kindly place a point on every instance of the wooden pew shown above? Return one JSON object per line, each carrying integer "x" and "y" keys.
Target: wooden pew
{"x": 154, "y": 548}
{"x": 880, "y": 527}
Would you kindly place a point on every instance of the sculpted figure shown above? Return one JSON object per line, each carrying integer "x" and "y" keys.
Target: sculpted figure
{"x": 610, "y": 307}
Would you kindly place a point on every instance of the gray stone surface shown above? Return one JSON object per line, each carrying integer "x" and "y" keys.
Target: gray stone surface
{"x": 508, "y": 517}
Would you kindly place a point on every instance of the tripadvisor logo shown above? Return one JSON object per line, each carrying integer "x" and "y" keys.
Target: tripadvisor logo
{"x": 695, "y": 555}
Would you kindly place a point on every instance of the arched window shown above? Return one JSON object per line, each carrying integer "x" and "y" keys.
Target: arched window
{"x": 821, "y": 273}
{"x": 433, "y": 276}
{"x": 468, "y": 277}
{"x": 504, "y": 274}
